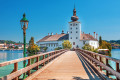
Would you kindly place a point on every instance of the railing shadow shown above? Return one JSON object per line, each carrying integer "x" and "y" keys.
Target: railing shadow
{"x": 88, "y": 69}
{"x": 79, "y": 78}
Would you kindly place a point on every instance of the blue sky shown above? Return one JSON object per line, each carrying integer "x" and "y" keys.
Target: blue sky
{"x": 46, "y": 16}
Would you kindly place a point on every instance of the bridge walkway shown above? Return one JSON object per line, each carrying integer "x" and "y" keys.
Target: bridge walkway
{"x": 68, "y": 66}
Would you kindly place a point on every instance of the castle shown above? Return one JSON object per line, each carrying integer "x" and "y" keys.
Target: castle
{"x": 75, "y": 36}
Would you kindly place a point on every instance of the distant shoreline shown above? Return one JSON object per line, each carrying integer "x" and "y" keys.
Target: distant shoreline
{"x": 12, "y": 50}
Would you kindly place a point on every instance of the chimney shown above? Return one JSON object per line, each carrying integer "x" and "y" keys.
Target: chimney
{"x": 48, "y": 34}
{"x": 52, "y": 33}
{"x": 62, "y": 32}
{"x": 89, "y": 33}
{"x": 56, "y": 33}
{"x": 83, "y": 32}
{"x": 94, "y": 34}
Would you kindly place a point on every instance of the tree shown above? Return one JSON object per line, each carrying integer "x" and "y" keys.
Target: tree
{"x": 66, "y": 44}
{"x": 87, "y": 47}
{"x": 33, "y": 48}
{"x": 16, "y": 47}
{"x": 45, "y": 48}
{"x": 58, "y": 48}
{"x": 100, "y": 41}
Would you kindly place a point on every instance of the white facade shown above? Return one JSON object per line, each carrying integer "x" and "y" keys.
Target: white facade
{"x": 74, "y": 33}
{"x": 50, "y": 44}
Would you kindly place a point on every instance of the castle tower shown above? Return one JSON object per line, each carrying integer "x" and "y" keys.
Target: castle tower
{"x": 74, "y": 30}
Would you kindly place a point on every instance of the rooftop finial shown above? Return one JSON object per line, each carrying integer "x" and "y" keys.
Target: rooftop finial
{"x": 24, "y": 15}
{"x": 74, "y": 5}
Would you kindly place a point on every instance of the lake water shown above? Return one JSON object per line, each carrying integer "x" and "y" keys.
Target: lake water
{"x": 11, "y": 55}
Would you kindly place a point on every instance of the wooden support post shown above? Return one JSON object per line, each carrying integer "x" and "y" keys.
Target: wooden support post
{"x": 107, "y": 74}
{"x": 37, "y": 60}
{"x": 117, "y": 69}
{"x": 15, "y": 69}
{"x": 48, "y": 57}
{"x": 96, "y": 59}
{"x": 100, "y": 59}
{"x": 29, "y": 62}
{"x": 43, "y": 59}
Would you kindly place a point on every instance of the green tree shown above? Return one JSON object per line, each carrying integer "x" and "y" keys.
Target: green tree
{"x": 100, "y": 41}
{"x": 16, "y": 47}
{"x": 58, "y": 48}
{"x": 45, "y": 48}
{"x": 106, "y": 45}
{"x": 87, "y": 47}
{"x": 33, "y": 48}
{"x": 66, "y": 44}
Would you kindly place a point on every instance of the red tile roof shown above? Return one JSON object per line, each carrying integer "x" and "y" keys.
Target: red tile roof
{"x": 59, "y": 37}
{"x": 87, "y": 37}
{"x": 56, "y": 37}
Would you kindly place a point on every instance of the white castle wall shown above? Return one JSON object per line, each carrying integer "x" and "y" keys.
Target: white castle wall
{"x": 74, "y": 33}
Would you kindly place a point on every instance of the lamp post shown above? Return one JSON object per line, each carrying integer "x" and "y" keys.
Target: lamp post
{"x": 24, "y": 26}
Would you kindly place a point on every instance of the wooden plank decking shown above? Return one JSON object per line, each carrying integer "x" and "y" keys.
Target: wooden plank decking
{"x": 65, "y": 67}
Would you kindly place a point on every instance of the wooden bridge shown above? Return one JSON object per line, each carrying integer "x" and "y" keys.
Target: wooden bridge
{"x": 65, "y": 65}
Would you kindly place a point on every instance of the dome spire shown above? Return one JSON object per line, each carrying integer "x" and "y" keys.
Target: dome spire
{"x": 74, "y": 17}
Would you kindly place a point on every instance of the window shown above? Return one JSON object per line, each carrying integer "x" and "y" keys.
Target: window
{"x": 83, "y": 37}
{"x": 76, "y": 24}
{"x": 76, "y": 37}
{"x": 71, "y": 37}
{"x": 76, "y": 31}
{"x": 71, "y": 28}
{"x": 84, "y": 42}
{"x": 73, "y": 43}
{"x": 70, "y": 24}
{"x": 71, "y": 31}
{"x": 73, "y": 24}
{"x": 76, "y": 28}
{"x": 49, "y": 45}
{"x": 54, "y": 45}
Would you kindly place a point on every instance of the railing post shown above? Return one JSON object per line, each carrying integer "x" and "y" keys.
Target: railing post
{"x": 37, "y": 61}
{"x": 117, "y": 69}
{"x": 100, "y": 59}
{"x": 107, "y": 74}
{"x": 29, "y": 62}
{"x": 15, "y": 69}
{"x": 43, "y": 59}
{"x": 96, "y": 59}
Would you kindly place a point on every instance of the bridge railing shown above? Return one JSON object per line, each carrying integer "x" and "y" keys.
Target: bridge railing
{"x": 97, "y": 59}
{"x": 46, "y": 57}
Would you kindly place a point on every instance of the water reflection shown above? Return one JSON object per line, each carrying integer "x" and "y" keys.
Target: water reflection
{"x": 7, "y": 56}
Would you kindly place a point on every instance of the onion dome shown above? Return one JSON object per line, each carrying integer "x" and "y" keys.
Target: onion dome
{"x": 74, "y": 17}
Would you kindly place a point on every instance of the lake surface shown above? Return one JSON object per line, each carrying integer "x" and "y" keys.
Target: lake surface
{"x": 11, "y": 55}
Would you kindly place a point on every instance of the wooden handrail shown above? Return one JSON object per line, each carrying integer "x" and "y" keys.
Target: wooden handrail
{"x": 25, "y": 58}
{"x": 89, "y": 55}
{"x": 16, "y": 73}
{"x": 107, "y": 57}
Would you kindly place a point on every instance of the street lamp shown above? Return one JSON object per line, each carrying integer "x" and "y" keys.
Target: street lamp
{"x": 24, "y": 26}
